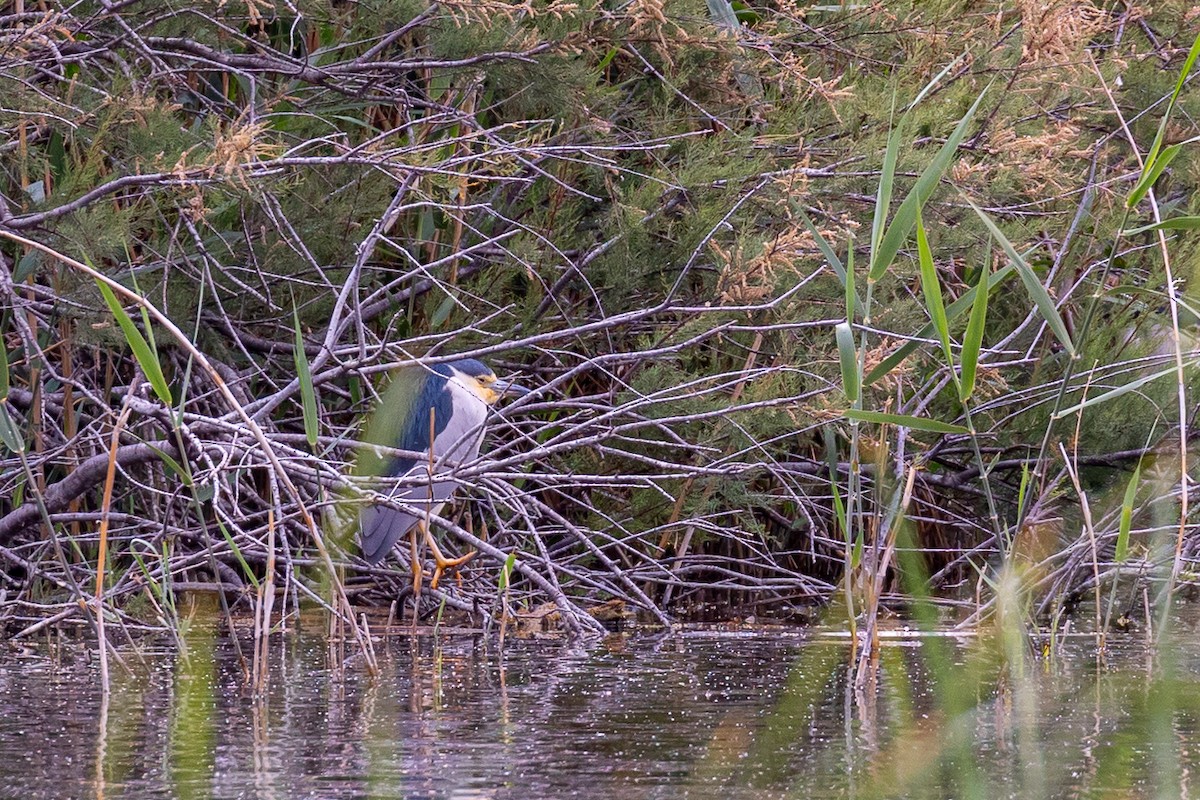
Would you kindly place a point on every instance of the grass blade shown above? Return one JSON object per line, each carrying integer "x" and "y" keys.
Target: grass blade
{"x": 1023, "y": 490}
{"x": 932, "y": 288}
{"x": 935, "y": 80}
{"x": 1122, "y": 549}
{"x": 904, "y": 420}
{"x": 1153, "y": 156}
{"x": 839, "y": 510}
{"x": 826, "y": 249}
{"x": 1174, "y": 224}
{"x": 1120, "y": 390}
{"x": 1151, "y": 174}
{"x": 723, "y": 14}
{"x": 237, "y": 553}
{"x": 506, "y": 570}
{"x": 849, "y": 359}
{"x": 308, "y": 394}
{"x": 973, "y": 342}
{"x": 883, "y": 193}
{"x": 4, "y": 382}
{"x": 9, "y": 434}
{"x": 146, "y": 356}
{"x": 906, "y": 216}
{"x": 831, "y": 257}
{"x": 831, "y": 462}
{"x": 851, "y": 295}
{"x": 1041, "y": 297}
{"x": 953, "y": 312}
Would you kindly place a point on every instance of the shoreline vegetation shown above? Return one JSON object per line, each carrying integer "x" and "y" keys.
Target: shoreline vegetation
{"x": 843, "y": 310}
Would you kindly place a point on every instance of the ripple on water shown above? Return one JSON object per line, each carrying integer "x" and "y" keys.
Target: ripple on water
{"x": 696, "y": 714}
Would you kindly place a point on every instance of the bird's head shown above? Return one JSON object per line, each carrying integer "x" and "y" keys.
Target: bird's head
{"x": 479, "y": 379}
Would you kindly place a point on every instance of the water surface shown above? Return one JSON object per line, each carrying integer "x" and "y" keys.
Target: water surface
{"x": 705, "y": 714}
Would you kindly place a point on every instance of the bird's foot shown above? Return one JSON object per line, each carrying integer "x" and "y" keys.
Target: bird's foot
{"x": 442, "y": 564}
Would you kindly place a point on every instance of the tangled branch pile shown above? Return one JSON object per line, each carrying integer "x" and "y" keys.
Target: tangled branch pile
{"x": 608, "y": 200}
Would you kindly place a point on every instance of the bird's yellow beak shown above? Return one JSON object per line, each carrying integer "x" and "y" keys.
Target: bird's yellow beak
{"x": 494, "y": 390}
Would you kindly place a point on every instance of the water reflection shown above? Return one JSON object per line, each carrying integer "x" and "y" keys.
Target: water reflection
{"x": 694, "y": 714}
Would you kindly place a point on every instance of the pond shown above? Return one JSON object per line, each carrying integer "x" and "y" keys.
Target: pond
{"x": 692, "y": 713}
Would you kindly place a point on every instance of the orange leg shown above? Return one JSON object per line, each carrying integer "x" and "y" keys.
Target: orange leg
{"x": 416, "y": 563}
{"x": 441, "y": 563}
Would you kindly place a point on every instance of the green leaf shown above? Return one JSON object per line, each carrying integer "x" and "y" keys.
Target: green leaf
{"x": 831, "y": 257}
{"x": 851, "y": 295}
{"x": 932, "y": 288}
{"x": 936, "y": 79}
{"x": 1173, "y": 224}
{"x": 1120, "y": 390}
{"x": 905, "y": 421}
{"x": 9, "y": 434}
{"x": 237, "y": 553}
{"x": 906, "y": 216}
{"x": 146, "y": 326}
{"x": 745, "y": 14}
{"x": 887, "y": 175}
{"x": 4, "y": 377}
{"x": 1122, "y": 551}
{"x": 723, "y": 14}
{"x": 1152, "y": 156}
{"x": 953, "y": 312}
{"x": 440, "y": 83}
{"x": 608, "y": 57}
{"x": 27, "y": 266}
{"x": 835, "y": 263}
{"x": 1041, "y": 297}
{"x": 839, "y": 509}
{"x": 1023, "y": 490}
{"x": 204, "y": 492}
{"x": 1151, "y": 173}
{"x": 973, "y": 342}
{"x": 308, "y": 394}
{"x": 174, "y": 465}
{"x": 849, "y": 361}
{"x": 426, "y": 226}
{"x": 442, "y": 313}
{"x": 507, "y": 569}
{"x": 146, "y": 357}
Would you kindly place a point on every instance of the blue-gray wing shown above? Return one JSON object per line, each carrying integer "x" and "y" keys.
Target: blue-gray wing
{"x": 383, "y": 526}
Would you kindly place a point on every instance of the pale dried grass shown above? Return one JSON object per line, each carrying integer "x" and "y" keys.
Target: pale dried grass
{"x": 1057, "y": 31}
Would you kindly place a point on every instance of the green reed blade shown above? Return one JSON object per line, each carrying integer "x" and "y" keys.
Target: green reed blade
{"x": 904, "y": 420}
{"x": 308, "y": 393}
{"x": 1151, "y": 173}
{"x": 973, "y": 341}
{"x": 9, "y": 434}
{"x": 1173, "y": 224}
{"x": 1122, "y": 549}
{"x": 1120, "y": 390}
{"x": 1153, "y": 156}
{"x": 1041, "y": 297}
{"x": 932, "y": 289}
{"x": 953, "y": 311}
{"x": 146, "y": 355}
{"x": 851, "y": 379}
{"x": 906, "y": 216}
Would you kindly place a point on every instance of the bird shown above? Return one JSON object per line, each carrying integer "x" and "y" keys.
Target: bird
{"x": 438, "y": 411}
